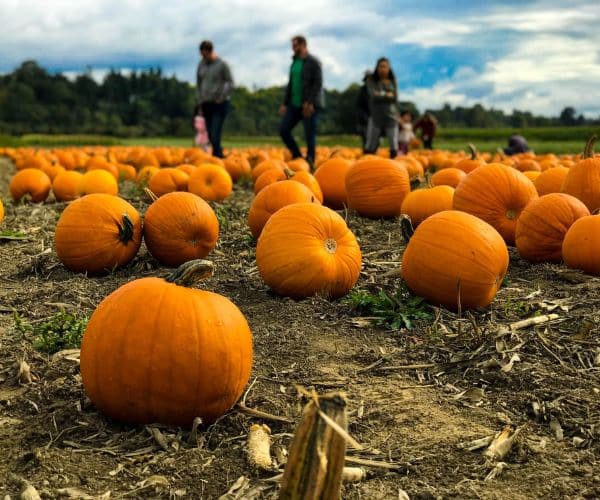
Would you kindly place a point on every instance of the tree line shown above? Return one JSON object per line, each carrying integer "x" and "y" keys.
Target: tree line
{"x": 148, "y": 103}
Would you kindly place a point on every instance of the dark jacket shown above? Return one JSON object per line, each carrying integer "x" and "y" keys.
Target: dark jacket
{"x": 362, "y": 105}
{"x": 312, "y": 83}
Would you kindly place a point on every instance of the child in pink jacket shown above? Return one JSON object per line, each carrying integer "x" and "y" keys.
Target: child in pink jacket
{"x": 201, "y": 138}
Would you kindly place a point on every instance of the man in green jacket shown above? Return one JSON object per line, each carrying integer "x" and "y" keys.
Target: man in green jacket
{"x": 303, "y": 100}
{"x": 214, "y": 84}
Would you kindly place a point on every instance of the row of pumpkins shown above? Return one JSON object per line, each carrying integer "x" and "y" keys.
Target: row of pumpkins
{"x": 457, "y": 256}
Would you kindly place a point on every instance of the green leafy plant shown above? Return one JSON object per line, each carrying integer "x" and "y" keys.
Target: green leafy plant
{"x": 397, "y": 309}
{"x": 9, "y": 234}
{"x": 61, "y": 331}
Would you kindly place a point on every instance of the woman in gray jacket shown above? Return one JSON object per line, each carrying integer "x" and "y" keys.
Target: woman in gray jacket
{"x": 383, "y": 94}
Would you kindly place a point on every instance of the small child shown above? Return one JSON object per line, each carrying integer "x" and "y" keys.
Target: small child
{"x": 406, "y": 132}
{"x": 201, "y": 138}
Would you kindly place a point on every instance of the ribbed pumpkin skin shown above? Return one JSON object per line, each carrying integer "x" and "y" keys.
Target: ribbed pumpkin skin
{"x": 179, "y": 227}
{"x": 448, "y": 177}
{"x": 422, "y": 203}
{"x": 99, "y": 181}
{"x": 376, "y": 188}
{"x": 454, "y": 250}
{"x": 550, "y": 180}
{"x": 167, "y": 180}
{"x": 296, "y": 256}
{"x": 30, "y": 181}
{"x": 211, "y": 182}
{"x": 496, "y": 194}
{"x": 583, "y": 182}
{"x": 154, "y": 351}
{"x": 67, "y": 186}
{"x": 542, "y": 226}
{"x": 87, "y": 234}
{"x": 1, "y": 212}
{"x": 581, "y": 246}
{"x": 274, "y": 197}
{"x": 331, "y": 177}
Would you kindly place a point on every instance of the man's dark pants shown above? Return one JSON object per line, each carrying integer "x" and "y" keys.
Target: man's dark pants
{"x": 214, "y": 114}
{"x": 292, "y": 116}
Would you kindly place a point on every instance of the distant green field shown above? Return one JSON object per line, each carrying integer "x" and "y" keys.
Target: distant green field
{"x": 542, "y": 140}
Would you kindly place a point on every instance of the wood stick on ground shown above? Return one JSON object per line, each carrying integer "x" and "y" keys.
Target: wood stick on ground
{"x": 524, "y": 323}
{"x": 316, "y": 460}
{"x": 261, "y": 414}
{"x": 502, "y": 443}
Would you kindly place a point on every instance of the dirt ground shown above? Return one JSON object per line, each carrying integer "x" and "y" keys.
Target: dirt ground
{"x": 472, "y": 378}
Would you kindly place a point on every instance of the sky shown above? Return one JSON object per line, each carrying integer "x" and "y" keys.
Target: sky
{"x": 539, "y": 56}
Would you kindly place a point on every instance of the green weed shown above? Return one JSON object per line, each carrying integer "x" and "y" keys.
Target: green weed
{"x": 395, "y": 310}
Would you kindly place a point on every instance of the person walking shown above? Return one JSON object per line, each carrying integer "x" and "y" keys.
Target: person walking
{"x": 381, "y": 87}
{"x": 214, "y": 84}
{"x": 303, "y": 100}
{"x": 427, "y": 124}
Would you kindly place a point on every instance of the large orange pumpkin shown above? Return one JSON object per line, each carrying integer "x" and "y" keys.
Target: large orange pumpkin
{"x": 97, "y": 233}
{"x": 377, "y": 187}
{"x": 32, "y": 182}
{"x": 179, "y": 227}
{"x": 157, "y": 351}
{"x": 453, "y": 253}
{"x": 496, "y": 194}
{"x": 331, "y": 176}
{"x": 307, "y": 249}
{"x": 542, "y": 226}
{"x": 274, "y": 197}
{"x": 583, "y": 178}
{"x": 581, "y": 246}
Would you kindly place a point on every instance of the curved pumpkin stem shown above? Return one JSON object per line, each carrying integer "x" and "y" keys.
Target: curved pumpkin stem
{"x": 588, "y": 151}
{"x": 191, "y": 272}
{"x": 473, "y": 151}
{"x": 126, "y": 229}
{"x": 150, "y": 194}
{"x": 406, "y": 227}
{"x": 289, "y": 173}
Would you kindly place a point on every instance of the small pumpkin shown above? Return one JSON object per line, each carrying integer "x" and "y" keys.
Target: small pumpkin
{"x": 583, "y": 178}
{"x": 67, "y": 186}
{"x": 448, "y": 177}
{"x": 377, "y": 187}
{"x": 497, "y": 194}
{"x": 581, "y": 245}
{"x": 456, "y": 260}
{"x": 331, "y": 176}
{"x": 32, "y": 182}
{"x": 542, "y": 226}
{"x": 211, "y": 182}
{"x": 467, "y": 165}
{"x": 307, "y": 249}
{"x": 422, "y": 203}
{"x": 157, "y": 350}
{"x": 167, "y": 180}
{"x": 550, "y": 180}
{"x": 97, "y": 233}
{"x": 179, "y": 227}
{"x": 99, "y": 181}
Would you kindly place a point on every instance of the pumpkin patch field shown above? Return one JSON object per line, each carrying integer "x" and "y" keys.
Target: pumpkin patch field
{"x": 159, "y": 307}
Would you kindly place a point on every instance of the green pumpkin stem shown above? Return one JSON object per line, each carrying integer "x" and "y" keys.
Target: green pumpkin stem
{"x": 126, "y": 229}
{"x": 588, "y": 151}
{"x": 406, "y": 227}
{"x": 473, "y": 151}
{"x": 191, "y": 272}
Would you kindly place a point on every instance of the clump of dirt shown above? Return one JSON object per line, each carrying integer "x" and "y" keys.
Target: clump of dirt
{"x": 415, "y": 396}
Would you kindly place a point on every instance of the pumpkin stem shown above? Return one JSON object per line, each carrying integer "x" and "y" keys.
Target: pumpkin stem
{"x": 406, "y": 227}
{"x": 150, "y": 194}
{"x": 126, "y": 229}
{"x": 473, "y": 151}
{"x": 588, "y": 151}
{"x": 191, "y": 272}
{"x": 289, "y": 173}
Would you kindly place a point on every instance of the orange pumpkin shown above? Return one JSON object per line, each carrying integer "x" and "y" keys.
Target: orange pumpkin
{"x": 448, "y": 177}
{"x": 467, "y": 165}
{"x": 550, "y": 180}
{"x": 179, "y": 227}
{"x": 542, "y": 226}
{"x": 157, "y": 350}
{"x": 210, "y": 182}
{"x": 32, "y": 182}
{"x": 309, "y": 181}
{"x": 99, "y": 181}
{"x": 1, "y": 212}
{"x": 307, "y": 249}
{"x": 145, "y": 174}
{"x": 274, "y": 197}
{"x": 269, "y": 177}
{"x": 454, "y": 254}
{"x": 583, "y": 178}
{"x": 238, "y": 167}
{"x": 97, "y": 233}
{"x": 266, "y": 165}
{"x": 422, "y": 203}
{"x": 376, "y": 188}
{"x": 331, "y": 176}
{"x": 496, "y": 194}
{"x": 580, "y": 248}
{"x": 167, "y": 180}
{"x": 67, "y": 186}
